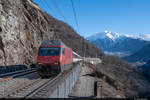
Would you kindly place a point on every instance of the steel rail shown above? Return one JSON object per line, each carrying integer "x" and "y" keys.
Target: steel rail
{"x": 44, "y": 89}
{"x": 21, "y": 87}
{"x": 37, "y": 90}
{"x": 21, "y": 73}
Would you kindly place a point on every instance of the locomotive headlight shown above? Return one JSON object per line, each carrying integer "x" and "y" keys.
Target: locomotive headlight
{"x": 40, "y": 63}
{"x": 56, "y": 63}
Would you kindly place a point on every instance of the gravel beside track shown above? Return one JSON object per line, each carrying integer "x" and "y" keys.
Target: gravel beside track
{"x": 28, "y": 88}
{"x": 48, "y": 88}
{"x": 31, "y": 85}
{"x": 9, "y": 85}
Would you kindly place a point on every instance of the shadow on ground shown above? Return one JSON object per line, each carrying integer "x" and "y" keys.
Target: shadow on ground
{"x": 90, "y": 74}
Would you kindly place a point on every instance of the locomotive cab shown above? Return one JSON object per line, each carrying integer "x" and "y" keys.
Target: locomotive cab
{"x": 49, "y": 60}
{"x": 52, "y": 58}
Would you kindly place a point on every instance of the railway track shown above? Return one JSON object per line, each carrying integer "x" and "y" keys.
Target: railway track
{"x": 9, "y": 76}
{"x": 32, "y": 88}
{"x": 8, "y": 84}
{"x": 37, "y": 88}
{"x": 48, "y": 87}
{"x": 44, "y": 88}
{"x": 25, "y": 89}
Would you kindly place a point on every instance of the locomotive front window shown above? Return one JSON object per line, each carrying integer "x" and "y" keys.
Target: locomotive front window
{"x": 49, "y": 51}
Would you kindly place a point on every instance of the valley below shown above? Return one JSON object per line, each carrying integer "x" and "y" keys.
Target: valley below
{"x": 133, "y": 50}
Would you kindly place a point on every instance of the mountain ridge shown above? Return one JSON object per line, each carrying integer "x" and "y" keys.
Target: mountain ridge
{"x": 116, "y": 35}
{"x": 115, "y": 42}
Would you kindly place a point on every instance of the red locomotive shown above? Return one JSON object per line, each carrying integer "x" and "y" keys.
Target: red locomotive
{"x": 53, "y": 57}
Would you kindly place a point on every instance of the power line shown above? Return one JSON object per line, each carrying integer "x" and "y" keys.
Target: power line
{"x": 75, "y": 15}
{"x": 82, "y": 41}
{"x": 48, "y": 7}
{"x": 58, "y": 9}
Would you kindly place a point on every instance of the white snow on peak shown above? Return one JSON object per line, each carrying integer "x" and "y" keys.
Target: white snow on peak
{"x": 103, "y": 35}
{"x": 129, "y": 36}
{"x": 144, "y": 36}
{"x": 110, "y": 36}
{"x": 106, "y": 31}
{"x": 114, "y": 36}
{"x": 147, "y": 37}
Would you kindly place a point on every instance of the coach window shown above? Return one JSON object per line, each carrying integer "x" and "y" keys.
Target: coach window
{"x": 63, "y": 50}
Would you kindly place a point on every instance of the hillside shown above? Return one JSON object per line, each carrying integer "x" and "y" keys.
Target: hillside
{"x": 146, "y": 69}
{"x": 141, "y": 55}
{"x": 127, "y": 79}
{"x": 23, "y": 26}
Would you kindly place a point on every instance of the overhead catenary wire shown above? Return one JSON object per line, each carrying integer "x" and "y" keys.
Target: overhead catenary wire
{"x": 59, "y": 10}
{"x": 48, "y": 7}
{"x": 56, "y": 7}
{"x": 76, "y": 21}
{"x": 75, "y": 15}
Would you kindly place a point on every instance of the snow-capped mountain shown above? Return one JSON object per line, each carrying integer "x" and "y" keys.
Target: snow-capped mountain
{"x": 114, "y": 36}
{"x": 115, "y": 42}
{"x": 104, "y": 35}
{"x": 144, "y": 36}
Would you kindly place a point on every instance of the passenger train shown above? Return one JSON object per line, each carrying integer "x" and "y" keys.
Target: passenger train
{"x": 53, "y": 57}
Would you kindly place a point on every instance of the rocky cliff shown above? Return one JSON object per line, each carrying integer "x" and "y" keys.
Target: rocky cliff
{"x": 23, "y": 26}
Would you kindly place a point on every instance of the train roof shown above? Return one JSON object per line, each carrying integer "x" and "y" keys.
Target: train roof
{"x": 52, "y": 42}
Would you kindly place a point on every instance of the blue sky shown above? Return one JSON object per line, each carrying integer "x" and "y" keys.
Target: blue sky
{"x": 122, "y": 16}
